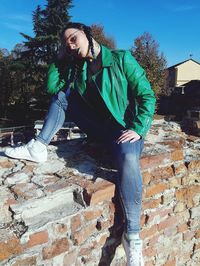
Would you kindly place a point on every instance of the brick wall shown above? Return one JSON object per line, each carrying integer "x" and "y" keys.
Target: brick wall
{"x": 66, "y": 211}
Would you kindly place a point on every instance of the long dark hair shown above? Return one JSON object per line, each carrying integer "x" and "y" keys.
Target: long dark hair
{"x": 80, "y": 26}
{"x": 65, "y": 55}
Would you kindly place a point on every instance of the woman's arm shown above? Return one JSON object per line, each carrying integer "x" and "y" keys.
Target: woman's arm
{"x": 142, "y": 92}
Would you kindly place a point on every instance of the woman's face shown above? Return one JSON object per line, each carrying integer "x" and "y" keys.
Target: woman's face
{"x": 76, "y": 42}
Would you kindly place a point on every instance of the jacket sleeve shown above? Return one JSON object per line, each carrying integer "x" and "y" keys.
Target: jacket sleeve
{"x": 142, "y": 93}
{"x": 54, "y": 80}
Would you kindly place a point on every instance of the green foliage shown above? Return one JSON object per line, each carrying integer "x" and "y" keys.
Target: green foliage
{"x": 47, "y": 25}
{"x": 146, "y": 52}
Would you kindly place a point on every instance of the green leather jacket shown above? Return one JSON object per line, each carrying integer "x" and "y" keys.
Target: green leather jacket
{"x": 121, "y": 83}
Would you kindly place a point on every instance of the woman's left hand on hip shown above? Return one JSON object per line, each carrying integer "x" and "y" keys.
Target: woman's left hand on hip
{"x": 128, "y": 135}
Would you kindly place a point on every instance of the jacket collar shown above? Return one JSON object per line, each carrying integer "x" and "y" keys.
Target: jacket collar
{"x": 106, "y": 57}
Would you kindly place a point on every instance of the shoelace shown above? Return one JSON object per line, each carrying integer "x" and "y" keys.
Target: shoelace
{"x": 28, "y": 145}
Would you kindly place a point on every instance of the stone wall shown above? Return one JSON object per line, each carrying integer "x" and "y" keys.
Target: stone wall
{"x": 66, "y": 211}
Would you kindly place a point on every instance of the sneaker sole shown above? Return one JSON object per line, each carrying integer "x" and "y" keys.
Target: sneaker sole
{"x": 25, "y": 158}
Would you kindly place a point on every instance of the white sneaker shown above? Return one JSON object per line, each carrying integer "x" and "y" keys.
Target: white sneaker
{"x": 133, "y": 250}
{"x": 33, "y": 151}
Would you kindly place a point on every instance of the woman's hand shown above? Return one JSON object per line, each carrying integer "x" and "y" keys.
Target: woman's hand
{"x": 128, "y": 135}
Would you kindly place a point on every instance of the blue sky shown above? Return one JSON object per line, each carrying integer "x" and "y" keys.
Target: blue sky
{"x": 174, "y": 24}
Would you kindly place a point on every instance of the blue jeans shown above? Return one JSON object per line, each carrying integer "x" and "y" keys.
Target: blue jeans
{"x": 126, "y": 154}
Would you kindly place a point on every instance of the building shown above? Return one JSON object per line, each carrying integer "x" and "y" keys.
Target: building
{"x": 182, "y": 73}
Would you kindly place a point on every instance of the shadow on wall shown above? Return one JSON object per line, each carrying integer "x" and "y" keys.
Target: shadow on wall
{"x": 94, "y": 161}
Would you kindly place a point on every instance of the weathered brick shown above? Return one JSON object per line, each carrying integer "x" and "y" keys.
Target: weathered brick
{"x": 27, "y": 190}
{"x": 187, "y": 194}
{"x": 153, "y": 240}
{"x": 60, "y": 228}
{"x": 182, "y": 227}
{"x": 80, "y": 236}
{"x": 170, "y": 231}
{"x": 169, "y": 222}
{"x": 75, "y": 222}
{"x": 37, "y": 238}
{"x": 146, "y": 176}
{"x": 6, "y": 198}
{"x": 90, "y": 215}
{"x": 179, "y": 207}
{"x": 151, "y": 203}
{"x": 197, "y": 246}
{"x": 148, "y": 232}
{"x": 161, "y": 173}
{"x": 9, "y": 248}
{"x": 103, "y": 224}
{"x": 177, "y": 155}
{"x": 159, "y": 213}
{"x": 31, "y": 261}
{"x": 197, "y": 234}
{"x": 59, "y": 246}
{"x": 5, "y": 163}
{"x": 170, "y": 263}
{"x": 194, "y": 165}
{"x": 187, "y": 236}
{"x": 70, "y": 258}
{"x": 98, "y": 192}
{"x": 150, "y": 161}
{"x": 155, "y": 189}
{"x": 149, "y": 252}
{"x": 175, "y": 182}
{"x": 180, "y": 168}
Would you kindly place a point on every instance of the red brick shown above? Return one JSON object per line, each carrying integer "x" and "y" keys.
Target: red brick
{"x": 31, "y": 261}
{"x": 57, "y": 186}
{"x": 6, "y": 164}
{"x": 177, "y": 155}
{"x": 197, "y": 246}
{"x": 70, "y": 258}
{"x": 197, "y": 234}
{"x": 75, "y": 222}
{"x": 161, "y": 173}
{"x": 37, "y": 239}
{"x": 150, "y": 161}
{"x": 194, "y": 165}
{"x": 161, "y": 213}
{"x": 90, "y": 215}
{"x": 181, "y": 168}
{"x": 80, "y": 236}
{"x": 170, "y": 263}
{"x": 187, "y": 236}
{"x": 149, "y": 252}
{"x": 148, "y": 232}
{"x": 143, "y": 220}
{"x": 155, "y": 189}
{"x": 59, "y": 246}
{"x": 9, "y": 248}
{"x": 187, "y": 194}
{"x": 146, "y": 178}
{"x": 169, "y": 222}
{"x": 60, "y": 228}
{"x": 182, "y": 228}
{"x": 174, "y": 144}
{"x": 99, "y": 192}
{"x": 151, "y": 203}
{"x": 170, "y": 231}
{"x": 104, "y": 224}
{"x": 153, "y": 240}
{"x": 149, "y": 263}
{"x": 25, "y": 191}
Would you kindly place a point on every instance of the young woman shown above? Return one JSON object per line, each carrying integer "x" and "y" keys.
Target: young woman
{"x": 107, "y": 95}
